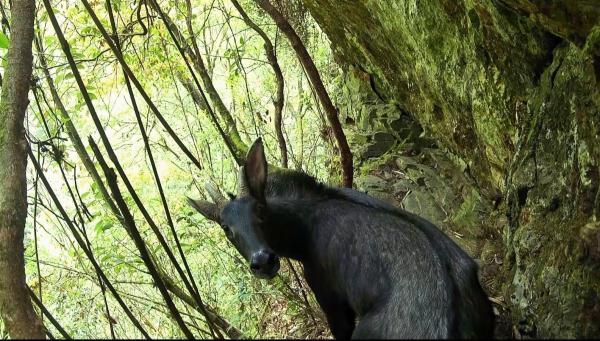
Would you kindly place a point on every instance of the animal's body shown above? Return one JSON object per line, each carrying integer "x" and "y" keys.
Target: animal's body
{"x": 377, "y": 271}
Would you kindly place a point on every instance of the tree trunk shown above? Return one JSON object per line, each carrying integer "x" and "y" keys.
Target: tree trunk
{"x": 315, "y": 79}
{"x": 16, "y": 309}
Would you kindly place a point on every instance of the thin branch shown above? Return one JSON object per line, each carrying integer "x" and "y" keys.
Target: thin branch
{"x": 60, "y": 161}
{"x": 194, "y": 288}
{"x": 133, "y": 79}
{"x": 111, "y": 179}
{"x": 35, "y": 237}
{"x": 315, "y": 79}
{"x": 111, "y": 153}
{"x": 45, "y": 312}
{"x": 230, "y": 330}
{"x": 71, "y": 130}
{"x": 279, "y": 99}
{"x": 232, "y": 139}
{"x": 82, "y": 245}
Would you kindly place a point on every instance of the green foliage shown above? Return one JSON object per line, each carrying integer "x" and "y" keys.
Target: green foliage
{"x": 4, "y": 41}
{"x": 235, "y": 57}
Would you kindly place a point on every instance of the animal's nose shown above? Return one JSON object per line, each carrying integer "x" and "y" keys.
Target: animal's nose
{"x": 262, "y": 260}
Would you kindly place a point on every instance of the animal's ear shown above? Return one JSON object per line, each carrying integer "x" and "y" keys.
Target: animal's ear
{"x": 206, "y": 208}
{"x": 255, "y": 170}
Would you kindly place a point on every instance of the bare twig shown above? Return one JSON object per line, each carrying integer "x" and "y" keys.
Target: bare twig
{"x": 45, "y": 312}
{"x": 315, "y": 78}
{"x": 83, "y": 246}
{"x": 279, "y": 99}
{"x": 111, "y": 179}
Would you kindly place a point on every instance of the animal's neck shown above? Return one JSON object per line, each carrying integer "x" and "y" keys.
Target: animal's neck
{"x": 287, "y": 231}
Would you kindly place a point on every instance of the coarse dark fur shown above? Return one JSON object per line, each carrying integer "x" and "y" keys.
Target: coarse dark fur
{"x": 377, "y": 271}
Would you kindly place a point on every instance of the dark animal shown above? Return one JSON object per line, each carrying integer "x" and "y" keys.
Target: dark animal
{"x": 377, "y": 271}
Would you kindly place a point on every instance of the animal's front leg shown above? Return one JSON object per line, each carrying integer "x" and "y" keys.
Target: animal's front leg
{"x": 340, "y": 318}
{"x": 340, "y": 315}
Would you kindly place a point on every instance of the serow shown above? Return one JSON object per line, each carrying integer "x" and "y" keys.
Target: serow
{"x": 377, "y": 271}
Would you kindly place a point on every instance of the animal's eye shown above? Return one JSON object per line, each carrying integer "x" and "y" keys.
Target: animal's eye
{"x": 227, "y": 230}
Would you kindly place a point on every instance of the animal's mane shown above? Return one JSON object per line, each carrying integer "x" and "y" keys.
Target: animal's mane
{"x": 293, "y": 184}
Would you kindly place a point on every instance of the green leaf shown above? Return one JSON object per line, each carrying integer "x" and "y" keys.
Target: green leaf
{"x": 102, "y": 225}
{"x": 106, "y": 225}
{"x": 4, "y": 41}
{"x": 50, "y": 40}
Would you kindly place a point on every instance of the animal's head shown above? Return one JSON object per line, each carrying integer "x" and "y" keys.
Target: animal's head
{"x": 241, "y": 217}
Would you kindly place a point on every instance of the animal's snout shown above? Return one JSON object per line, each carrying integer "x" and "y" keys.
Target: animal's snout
{"x": 264, "y": 264}
{"x": 262, "y": 259}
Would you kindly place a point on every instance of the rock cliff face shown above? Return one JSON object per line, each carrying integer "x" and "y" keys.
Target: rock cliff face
{"x": 484, "y": 116}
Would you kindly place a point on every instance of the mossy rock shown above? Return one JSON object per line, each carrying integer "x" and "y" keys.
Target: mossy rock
{"x": 509, "y": 90}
